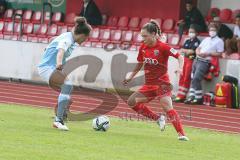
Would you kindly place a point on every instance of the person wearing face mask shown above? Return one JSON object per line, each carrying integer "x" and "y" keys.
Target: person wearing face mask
{"x": 91, "y": 12}
{"x": 188, "y": 51}
{"x": 223, "y": 30}
{"x": 212, "y": 46}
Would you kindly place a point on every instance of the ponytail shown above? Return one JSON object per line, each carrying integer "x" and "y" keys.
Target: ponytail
{"x": 81, "y": 26}
{"x": 155, "y": 23}
{"x": 153, "y": 26}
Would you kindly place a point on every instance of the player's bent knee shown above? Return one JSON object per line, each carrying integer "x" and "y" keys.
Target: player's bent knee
{"x": 64, "y": 97}
{"x": 131, "y": 102}
{"x": 66, "y": 89}
{"x": 166, "y": 103}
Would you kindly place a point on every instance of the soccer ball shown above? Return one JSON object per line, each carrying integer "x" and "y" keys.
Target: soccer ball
{"x": 101, "y": 123}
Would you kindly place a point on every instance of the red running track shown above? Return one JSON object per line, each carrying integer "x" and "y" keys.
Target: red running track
{"x": 219, "y": 119}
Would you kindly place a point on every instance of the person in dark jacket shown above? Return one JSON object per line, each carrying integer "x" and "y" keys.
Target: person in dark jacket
{"x": 192, "y": 16}
{"x": 189, "y": 52}
{"x": 91, "y": 12}
{"x": 3, "y": 6}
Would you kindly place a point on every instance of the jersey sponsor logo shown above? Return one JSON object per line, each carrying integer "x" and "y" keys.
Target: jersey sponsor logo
{"x": 196, "y": 44}
{"x": 151, "y": 61}
{"x": 173, "y": 51}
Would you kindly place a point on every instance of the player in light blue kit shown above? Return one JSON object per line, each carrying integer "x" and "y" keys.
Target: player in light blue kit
{"x": 55, "y": 56}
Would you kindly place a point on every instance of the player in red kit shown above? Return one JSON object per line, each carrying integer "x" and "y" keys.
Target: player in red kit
{"x": 153, "y": 55}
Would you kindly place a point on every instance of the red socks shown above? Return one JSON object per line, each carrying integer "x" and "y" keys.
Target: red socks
{"x": 175, "y": 120}
{"x": 173, "y": 116}
{"x": 140, "y": 108}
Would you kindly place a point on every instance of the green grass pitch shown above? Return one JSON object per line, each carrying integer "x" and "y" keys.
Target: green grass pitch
{"x": 26, "y": 133}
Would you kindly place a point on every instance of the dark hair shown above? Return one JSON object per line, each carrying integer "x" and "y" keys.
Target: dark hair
{"x": 152, "y": 26}
{"x": 238, "y": 16}
{"x": 194, "y": 27}
{"x": 189, "y": 2}
{"x": 212, "y": 25}
{"x": 81, "y": 26}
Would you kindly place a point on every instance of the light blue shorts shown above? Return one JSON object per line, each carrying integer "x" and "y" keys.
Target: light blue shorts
{"x": 45, "y": 72}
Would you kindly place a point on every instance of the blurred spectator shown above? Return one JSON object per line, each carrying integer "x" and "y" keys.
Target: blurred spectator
{"x": 188, "y": 51}
{"x": 3, "y": 6}
{"x": 233, "y": 45}
{"x": 224, "y": 31}
{"x": 91, "y": 12}
{"x": 212, "y": 46}
{"x": 192, "y": 16}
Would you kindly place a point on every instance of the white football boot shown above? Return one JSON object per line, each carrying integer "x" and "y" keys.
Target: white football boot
{"x": 60, "y": 126}
{"x": 183, "y": 138}
{"x": 162, "y": 122}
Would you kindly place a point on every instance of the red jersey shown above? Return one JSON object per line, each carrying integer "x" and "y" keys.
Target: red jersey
{"x": 155, "y": 61}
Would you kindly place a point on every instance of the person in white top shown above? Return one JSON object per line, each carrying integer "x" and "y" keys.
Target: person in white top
{"x": 212, "y": 46}
{"x": 233, "y": 45}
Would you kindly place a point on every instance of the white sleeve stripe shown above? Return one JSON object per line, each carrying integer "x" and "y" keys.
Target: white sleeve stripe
{"x": 173, "y": 51}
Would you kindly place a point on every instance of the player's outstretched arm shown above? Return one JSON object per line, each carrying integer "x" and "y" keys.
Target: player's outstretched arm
{"x": 135, "y": 71}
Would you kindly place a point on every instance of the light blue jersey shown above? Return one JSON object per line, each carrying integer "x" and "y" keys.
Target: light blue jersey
{"x": 48, "y": 65}
{"x": 66, "y": 42}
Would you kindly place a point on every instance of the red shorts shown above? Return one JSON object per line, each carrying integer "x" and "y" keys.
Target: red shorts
{"x": 159, "y": 90}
